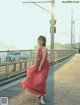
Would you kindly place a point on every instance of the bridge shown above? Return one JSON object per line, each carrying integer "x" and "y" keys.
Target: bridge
{"x": 63, "y": 86}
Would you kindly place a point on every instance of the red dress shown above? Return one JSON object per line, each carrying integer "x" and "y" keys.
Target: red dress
{"x": 35, "y": 81}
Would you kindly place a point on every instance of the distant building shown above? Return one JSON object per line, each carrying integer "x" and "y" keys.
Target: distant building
{"x": 57, "y": 46}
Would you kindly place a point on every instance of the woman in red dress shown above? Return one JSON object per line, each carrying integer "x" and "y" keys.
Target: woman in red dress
{"x": 37, "y": 74}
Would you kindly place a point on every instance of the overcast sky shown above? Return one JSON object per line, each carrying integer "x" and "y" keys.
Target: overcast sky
{"x": 21, "y": 24}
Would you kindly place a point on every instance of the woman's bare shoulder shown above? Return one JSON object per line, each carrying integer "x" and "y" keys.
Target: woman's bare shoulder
{"x": 45, "y": 49}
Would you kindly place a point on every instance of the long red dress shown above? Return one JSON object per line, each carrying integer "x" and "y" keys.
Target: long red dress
{"x": 35, "y": 81}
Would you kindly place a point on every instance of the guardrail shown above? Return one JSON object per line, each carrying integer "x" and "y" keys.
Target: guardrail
{"x": 17, "y": 61}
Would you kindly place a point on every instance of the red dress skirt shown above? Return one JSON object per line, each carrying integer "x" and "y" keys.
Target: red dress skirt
{"x": 35, "y": 80}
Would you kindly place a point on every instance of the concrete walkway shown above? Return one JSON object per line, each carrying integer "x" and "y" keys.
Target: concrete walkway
{"x": 63, "y": 86}
{"x": 67, "y": 83}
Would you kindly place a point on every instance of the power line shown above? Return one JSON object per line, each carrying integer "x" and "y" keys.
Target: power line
{"x": 67, "y": 34}
{"x": 42, "y": 8}
{"x": 63, "y": 33}
{"x": 37, "y": 2}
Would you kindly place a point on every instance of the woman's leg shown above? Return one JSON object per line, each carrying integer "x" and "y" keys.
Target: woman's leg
{"x": 42, "y": 100}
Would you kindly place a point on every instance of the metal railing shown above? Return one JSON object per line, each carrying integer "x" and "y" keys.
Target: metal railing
{"x": 17, "y": 61}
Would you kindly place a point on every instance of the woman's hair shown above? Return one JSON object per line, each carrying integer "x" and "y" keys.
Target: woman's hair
{"x": 43, "y": 38}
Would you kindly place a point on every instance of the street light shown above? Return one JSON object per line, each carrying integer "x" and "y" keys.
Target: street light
{"x": 52, "y": 22}
{"x": 52, "y": 31}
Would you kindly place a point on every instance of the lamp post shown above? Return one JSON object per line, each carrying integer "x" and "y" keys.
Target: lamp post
{"x": 52, "y": 26}
{"x": 52, "y": 31}
{"x": 72, "y": 33}
{"x": 52, "y": 22}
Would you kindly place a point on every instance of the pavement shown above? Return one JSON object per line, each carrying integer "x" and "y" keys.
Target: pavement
{"x": 63, "y": 86}
{"x": 67, "y": 83}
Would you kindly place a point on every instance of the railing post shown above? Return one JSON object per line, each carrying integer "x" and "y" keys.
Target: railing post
{"x": 30, "y": 58}
{"x": 7, "y": 68}
{"x": 7, "y": 64}
{"x": 20, "y": 65}
{"x": 8, "y": 57}
{"x": 25, "y": 64}
{"x": 14, "y": 66}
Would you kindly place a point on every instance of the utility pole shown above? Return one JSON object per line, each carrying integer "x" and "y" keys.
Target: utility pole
{"x": 71, "y": 29}
{"x": 52, "y": 26}
{"x": 52, "y": 22}
{"x": 74, "y": 35}
{"x": 79, "y": 44}
{"x": 52, "y": 31}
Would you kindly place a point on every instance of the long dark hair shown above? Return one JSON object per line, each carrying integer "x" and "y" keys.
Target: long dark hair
{"x": 43, "y": 38}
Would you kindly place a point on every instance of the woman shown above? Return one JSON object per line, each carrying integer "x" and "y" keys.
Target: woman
{"x": 37, "y": 74}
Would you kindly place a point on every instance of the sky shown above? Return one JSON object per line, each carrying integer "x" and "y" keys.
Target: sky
{"x": 21, "y": 24}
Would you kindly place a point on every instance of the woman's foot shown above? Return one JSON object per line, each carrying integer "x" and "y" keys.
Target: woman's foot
{"x": 42, "y": 100}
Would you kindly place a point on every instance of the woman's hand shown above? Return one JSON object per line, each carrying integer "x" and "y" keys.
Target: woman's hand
{"x": 39, "y": 69}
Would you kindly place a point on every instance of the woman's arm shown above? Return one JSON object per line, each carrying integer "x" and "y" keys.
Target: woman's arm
{"x": 44, "y": 51}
